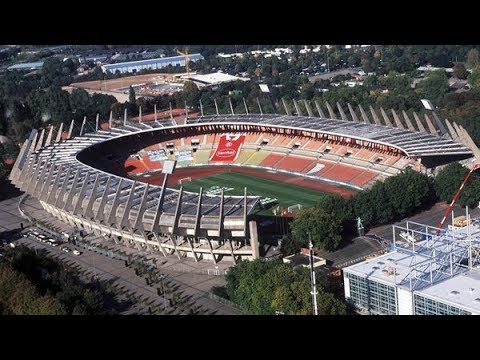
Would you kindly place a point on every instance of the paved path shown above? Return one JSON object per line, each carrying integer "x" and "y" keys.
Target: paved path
{"x": 115, "y": 271}
{"x": 188, "y": 282}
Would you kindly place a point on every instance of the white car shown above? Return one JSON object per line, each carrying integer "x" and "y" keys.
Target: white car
{"x": 76, "y": 252}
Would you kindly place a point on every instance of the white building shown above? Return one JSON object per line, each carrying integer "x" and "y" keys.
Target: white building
{"x": 425, "y": 274}
{"x": 159, "y": 63}
{"x": 215, "y": 78}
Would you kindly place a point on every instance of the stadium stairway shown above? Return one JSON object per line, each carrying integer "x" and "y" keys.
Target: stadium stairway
{"x": 272, "y": 159}
{"x": 256, "y": 158}
{"x": 244, "y": 156}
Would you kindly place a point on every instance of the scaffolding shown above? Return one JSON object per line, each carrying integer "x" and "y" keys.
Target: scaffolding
{"x": 429, "y": 258}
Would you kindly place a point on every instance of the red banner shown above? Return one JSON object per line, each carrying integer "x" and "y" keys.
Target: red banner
{"x": 228, "y": 148}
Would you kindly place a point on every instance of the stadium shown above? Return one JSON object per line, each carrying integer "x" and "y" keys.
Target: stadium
{"x": 113, "y": 180}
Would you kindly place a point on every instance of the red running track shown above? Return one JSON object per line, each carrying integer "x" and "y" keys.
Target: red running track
{"x": 198, "y": 173}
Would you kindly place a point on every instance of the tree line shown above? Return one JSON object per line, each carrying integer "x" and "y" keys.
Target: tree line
{"x": 333, "y": 220}
{"x": 34, "y": 284}
{"x": 268, "y": 287}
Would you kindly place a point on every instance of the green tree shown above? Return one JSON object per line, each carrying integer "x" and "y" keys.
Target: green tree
{"x": 449, "y": 180}
{"x": 266, "y": 287}
{"x": 435, "y": 86}
{"x": 318, "y": 225}
{"x": 328, "y": 304}
{"x": 191, "y": 93}
{"x": 474, "y": 78}
{"x": 384, "y": 203}
{"x": 473, "y": 58}
{"x": 131, "y": 95}
{"x": 47, "y": 305}
{"x": 459, "y": 71}
{"x": 289, "y": 246}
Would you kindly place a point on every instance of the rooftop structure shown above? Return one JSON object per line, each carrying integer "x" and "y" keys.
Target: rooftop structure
{"x": 424, "y": 274}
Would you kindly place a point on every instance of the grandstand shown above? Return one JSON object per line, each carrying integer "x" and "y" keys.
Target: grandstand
{"x": 96, "y": 180}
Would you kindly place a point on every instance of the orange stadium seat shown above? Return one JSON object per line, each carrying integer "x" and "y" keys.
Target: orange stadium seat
{"x": 342, "y": 172}
{"x": 363, "y": 178}
{"x": 327, "y": 166}
{"x": 271, "y": 160}
{"x": 294, "y": 163}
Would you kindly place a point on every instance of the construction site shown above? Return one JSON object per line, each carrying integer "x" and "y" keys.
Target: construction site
{"x": 148, "y": 85}
{"x": 429, "y": 271}
{"x": 152, "y": 85}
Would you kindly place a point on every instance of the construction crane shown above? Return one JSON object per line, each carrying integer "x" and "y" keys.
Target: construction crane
{"x": 455, "y": 197}
{"x": 187, "y": 60}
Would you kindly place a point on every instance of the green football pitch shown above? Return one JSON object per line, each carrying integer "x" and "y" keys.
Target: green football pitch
{"x": 234, "y": 184}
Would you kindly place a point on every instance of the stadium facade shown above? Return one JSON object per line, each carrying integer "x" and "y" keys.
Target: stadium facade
{"x": 83, "y": 180}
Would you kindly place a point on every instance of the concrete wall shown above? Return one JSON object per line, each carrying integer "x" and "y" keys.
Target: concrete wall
{"x": 346, "y": 286}
{"x": 404, "y": 302}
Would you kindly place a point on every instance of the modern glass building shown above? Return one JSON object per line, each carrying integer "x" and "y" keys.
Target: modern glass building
{"x": 424, "y": 275}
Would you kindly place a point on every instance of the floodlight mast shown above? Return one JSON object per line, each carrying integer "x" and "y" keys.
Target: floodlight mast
{"x": 312, "y": 277}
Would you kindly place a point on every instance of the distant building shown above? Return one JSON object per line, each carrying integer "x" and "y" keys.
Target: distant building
{"x": 151, "y": 64}
{"x": 353, "y": 83}
{"x": 96, "y": 59}
{"x": 27, "y": 66}
{"x": 303, "y": 259}
{"x": 215, "y": 78}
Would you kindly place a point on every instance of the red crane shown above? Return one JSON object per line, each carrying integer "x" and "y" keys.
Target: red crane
{"x": 455, "y": 197}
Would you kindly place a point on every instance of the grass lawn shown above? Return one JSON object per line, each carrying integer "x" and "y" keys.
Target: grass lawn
{"x": 234, "y": 183}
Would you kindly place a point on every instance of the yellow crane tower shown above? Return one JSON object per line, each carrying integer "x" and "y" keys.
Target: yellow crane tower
{"x": 187, "y": 60}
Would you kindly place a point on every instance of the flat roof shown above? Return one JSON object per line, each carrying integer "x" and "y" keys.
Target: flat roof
{"x": 389, "y": 268}
{"x": 29, "y": 66}
{"x": 216, "y": 78}
{"x": 164, "y": 60}
{"x": 462, "y": 290}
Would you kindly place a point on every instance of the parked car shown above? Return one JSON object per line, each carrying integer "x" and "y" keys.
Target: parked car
{"x": 76, "y": 252}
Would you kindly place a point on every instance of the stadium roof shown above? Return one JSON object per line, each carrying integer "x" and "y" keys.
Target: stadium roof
{"x": 27, "y": 66}
{"x": 62, "y": 158}
{"x": 381, "y": 268}
{"x": 165, "y": 61}
{"x": 412, "y": 143}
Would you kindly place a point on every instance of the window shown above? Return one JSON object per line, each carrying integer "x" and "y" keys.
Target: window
{"x": 372, "y": 296}
{"x": 426, "y": 306}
